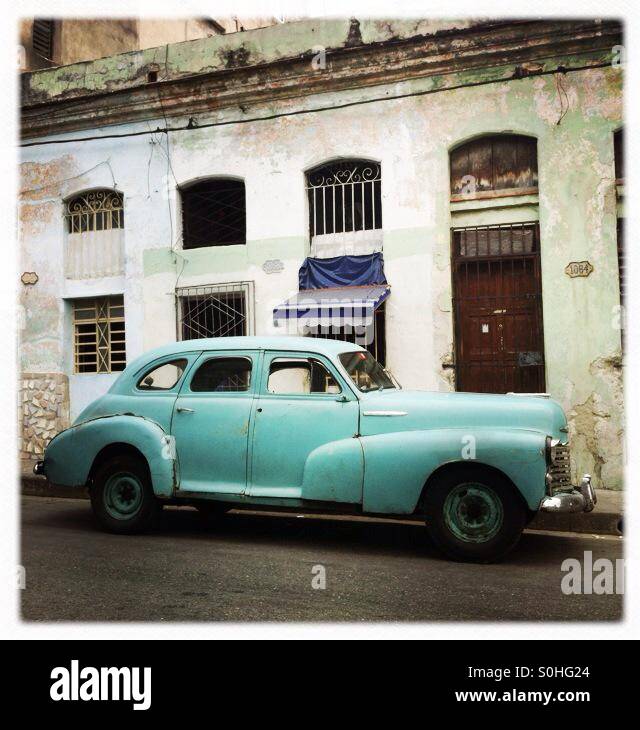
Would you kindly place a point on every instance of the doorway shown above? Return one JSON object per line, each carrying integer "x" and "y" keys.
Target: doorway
{"x": 497, "y": 291}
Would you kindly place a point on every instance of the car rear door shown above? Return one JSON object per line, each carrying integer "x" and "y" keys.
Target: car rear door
{"x": 211, "y": 420}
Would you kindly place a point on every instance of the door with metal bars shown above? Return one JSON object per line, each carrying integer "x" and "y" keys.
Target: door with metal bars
{"x": 498, "y": 309}
{"x": 221, "y": 310}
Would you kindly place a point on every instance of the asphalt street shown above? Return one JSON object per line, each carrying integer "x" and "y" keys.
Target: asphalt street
{"x": 263, "y": 567}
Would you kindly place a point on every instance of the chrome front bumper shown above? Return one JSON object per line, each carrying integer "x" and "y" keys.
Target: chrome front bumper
{"x": 582, "y": 499}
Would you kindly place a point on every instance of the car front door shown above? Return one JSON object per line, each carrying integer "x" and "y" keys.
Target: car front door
{"x": 306, "y": 421}
{"x": 211, "y": 422}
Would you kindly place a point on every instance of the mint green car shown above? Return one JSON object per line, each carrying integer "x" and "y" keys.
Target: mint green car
{"x": 316, "y": 425}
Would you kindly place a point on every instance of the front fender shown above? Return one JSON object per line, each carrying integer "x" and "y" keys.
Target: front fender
{"x": 397, "y": 465}
{"x": 70, "y": 455}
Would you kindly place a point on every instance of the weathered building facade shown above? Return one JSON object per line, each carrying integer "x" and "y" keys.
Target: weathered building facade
{"x": 46, "y": 42}
{"x": 458, "y": 184}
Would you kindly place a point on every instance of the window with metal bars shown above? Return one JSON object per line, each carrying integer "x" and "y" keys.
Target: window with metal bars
{"x": 494, "y": 165}
{"x": 345, "y": 207}
{"x": 94, "y": 223}
{"x": 516, "y": 239}
{"x": 373, "y": 338}
{"x": 42, "y": 38}
{"x": 214, "y": 213}
{"x": 215, "y": 311}
{"x": 99, "y": 335}
{"x": 96, "y": 210}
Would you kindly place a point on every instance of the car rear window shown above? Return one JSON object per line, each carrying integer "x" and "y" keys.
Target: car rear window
{"x": 222, "y": 375}
{"x": 164, "y": 376}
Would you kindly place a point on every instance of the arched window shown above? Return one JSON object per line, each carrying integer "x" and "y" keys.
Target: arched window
{"x": 214, "y": 213}
{"x": 345, "y": 208}
{"x": 94, "y": 223}
{"x": 497, "y": 165}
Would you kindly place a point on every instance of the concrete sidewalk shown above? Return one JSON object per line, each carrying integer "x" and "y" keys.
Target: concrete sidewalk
{"x": 606, "y": 518}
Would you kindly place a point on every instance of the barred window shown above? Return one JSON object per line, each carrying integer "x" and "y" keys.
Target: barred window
{"x": 345, "y": 208}
{"x": 219, "y": 310}
{"x": 499, "y": 164}
{"x": 99, "y": 335}
{"x": 214, "y": 213}
{"x": 97, "y": 210}
{"x": 94, "y": 224}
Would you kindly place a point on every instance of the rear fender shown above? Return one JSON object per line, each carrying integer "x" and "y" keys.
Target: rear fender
{"x": 71, "y": 454}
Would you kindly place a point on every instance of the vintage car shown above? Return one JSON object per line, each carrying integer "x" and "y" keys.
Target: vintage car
{"x": 315, "y": 424}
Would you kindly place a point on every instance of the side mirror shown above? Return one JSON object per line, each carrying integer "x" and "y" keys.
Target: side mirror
{"x": 342, "y": 399}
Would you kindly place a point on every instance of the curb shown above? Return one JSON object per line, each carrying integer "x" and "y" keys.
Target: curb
{"x": 605, "y": 521}
{"x": 598, "y": 523}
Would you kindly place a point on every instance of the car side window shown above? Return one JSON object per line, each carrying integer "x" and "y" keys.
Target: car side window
{"x": 222, "y": 375}
{"x": 163, "y": 377}
{"x": 299, "y": 376}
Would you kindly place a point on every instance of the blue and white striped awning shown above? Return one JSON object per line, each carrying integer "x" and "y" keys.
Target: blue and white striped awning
{"x": 354, "y": 305}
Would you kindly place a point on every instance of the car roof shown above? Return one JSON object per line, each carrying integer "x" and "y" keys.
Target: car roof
{"x": 329, "y": 348}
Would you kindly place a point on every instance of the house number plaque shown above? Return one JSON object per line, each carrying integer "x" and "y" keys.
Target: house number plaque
{"x": 578, "y": 269}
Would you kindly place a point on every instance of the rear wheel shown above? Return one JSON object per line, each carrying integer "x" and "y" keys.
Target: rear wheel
{"x": 473, "y": 515}
{"x": 122, "y": 497}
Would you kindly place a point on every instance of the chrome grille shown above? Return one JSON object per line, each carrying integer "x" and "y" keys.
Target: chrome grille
{"x": 559, "y": 475}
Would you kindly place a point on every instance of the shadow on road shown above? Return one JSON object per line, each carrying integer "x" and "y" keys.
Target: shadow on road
{"x": 308, "y": 531}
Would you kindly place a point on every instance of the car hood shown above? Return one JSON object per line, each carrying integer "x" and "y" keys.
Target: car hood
{"x": 417, "y": 410}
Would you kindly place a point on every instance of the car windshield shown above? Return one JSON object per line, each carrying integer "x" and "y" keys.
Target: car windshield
{"x": 366, "y": 372}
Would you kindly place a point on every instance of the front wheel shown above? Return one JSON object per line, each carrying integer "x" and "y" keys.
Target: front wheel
{"x": 122, "y": 497}
{"x": 474, "y": 516}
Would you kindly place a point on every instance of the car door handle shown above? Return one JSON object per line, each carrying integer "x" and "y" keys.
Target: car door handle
{"x": 180, "y": 409}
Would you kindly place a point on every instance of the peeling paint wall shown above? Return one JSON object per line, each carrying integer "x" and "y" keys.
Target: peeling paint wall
{"x": 573, "y": 118}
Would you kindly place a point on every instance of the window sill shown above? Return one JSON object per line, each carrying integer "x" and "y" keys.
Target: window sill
{"x": 208, "y": 246}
